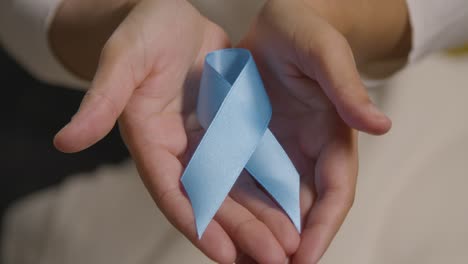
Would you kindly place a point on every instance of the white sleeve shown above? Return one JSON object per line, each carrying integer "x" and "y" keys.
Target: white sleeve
{"x": 437, "y": 25}
{"x": 24, "y": 28}
{"x": 24, "y": 25}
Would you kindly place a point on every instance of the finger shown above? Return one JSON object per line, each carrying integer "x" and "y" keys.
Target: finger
{"x": 325, "y": 55}
{"x": 161, "y": 173}
{"x": 247, "y": 193}
{"x": 336, "y": 179}
{"x": 110, "y": 90}
{"x": 245, "y": 259}
{"x": 250, "y": 235}
{"x": 307, "y": 195}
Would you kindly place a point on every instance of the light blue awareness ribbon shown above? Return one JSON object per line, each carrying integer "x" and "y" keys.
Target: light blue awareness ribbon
{"x": 235, "y": 111}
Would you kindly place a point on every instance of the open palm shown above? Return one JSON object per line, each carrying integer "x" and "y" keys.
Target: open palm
{"x": 317, "y": 99}
{"x": 323, "y": 149}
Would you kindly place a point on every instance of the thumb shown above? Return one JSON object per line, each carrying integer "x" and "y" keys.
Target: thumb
{"x": 110, "y": 91}
{"x": 328, "y": 58}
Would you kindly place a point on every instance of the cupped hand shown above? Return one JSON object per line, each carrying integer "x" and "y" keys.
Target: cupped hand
{"x": 147, "y": 78}
{"x": 318, "y": 101}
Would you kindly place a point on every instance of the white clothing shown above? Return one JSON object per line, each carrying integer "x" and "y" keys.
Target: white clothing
{"x": 435, "y": 25}
{"x": 24, "y": 28}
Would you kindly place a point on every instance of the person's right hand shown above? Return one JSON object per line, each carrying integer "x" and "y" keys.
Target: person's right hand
{"x": 147, "y": 78}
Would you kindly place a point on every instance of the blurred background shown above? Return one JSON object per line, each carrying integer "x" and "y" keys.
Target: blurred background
{"x": 31, "y": 113}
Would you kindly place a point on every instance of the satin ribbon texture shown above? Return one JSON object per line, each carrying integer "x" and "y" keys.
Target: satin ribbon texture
{"x": 235, "y": 111}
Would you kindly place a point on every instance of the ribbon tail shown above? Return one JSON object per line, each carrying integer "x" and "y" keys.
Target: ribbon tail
{"x": 272, "y": 168}
{"x": 206, "y": 197}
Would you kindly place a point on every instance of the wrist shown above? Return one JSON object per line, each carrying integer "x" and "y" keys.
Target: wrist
{"x": 376, "y": 30}
{"x": 80, "y": 29}
{"x": 335, "y": 12}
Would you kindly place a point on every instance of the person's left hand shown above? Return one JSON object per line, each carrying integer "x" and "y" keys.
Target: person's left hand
{"x": 317, "y": 96}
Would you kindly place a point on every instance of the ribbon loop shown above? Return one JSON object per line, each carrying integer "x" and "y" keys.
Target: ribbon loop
{"x": 235, "y": 110}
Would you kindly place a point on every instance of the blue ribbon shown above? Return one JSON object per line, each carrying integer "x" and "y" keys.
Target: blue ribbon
{"x": 235, "y": 110}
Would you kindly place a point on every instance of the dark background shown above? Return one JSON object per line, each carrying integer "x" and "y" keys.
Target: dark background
{"x": 30, "y": 114}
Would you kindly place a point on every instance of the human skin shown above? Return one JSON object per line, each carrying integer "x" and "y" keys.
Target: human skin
{"x": 306, "y": 54}
{"x": 145, "y": 58}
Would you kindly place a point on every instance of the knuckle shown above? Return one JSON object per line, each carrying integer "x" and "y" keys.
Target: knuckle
{"x": 242, "y": 226}
{"x": 106, "y": 101}
{"x": 166, "y": 196}
{"x": 343, "y": 196}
